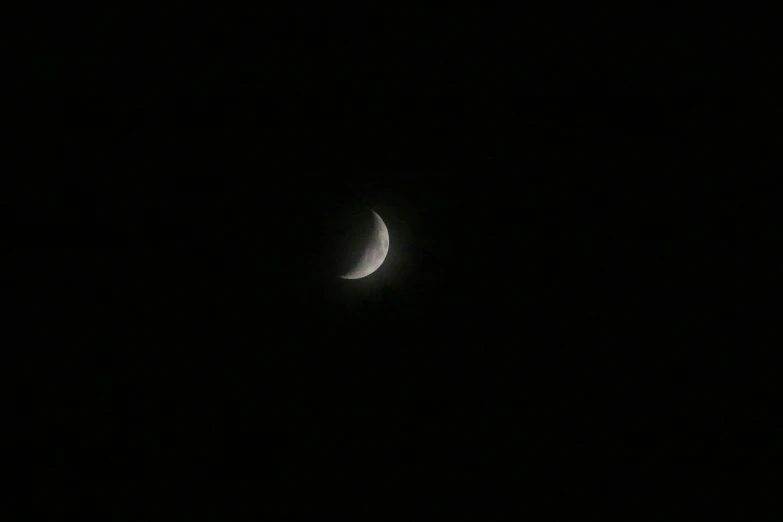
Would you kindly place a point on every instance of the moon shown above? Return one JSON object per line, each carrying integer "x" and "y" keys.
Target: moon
{"x": 374, "y": 253}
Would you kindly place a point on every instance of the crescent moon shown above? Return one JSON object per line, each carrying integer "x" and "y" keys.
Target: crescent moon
{"x": 374, "y": 252}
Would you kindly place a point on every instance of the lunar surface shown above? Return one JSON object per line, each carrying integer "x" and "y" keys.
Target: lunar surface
{"x": 374, "y": 251}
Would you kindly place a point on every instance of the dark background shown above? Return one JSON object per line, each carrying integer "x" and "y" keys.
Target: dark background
{"x": 571, "y": 198}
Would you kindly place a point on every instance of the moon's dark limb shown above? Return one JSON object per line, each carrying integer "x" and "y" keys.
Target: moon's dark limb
{"x": 373, "y": 251}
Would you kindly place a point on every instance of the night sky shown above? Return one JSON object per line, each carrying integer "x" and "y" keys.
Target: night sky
{"x": 564, "y": 226}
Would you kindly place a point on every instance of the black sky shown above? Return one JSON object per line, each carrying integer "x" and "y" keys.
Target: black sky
{"x": 561, "y": 195}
